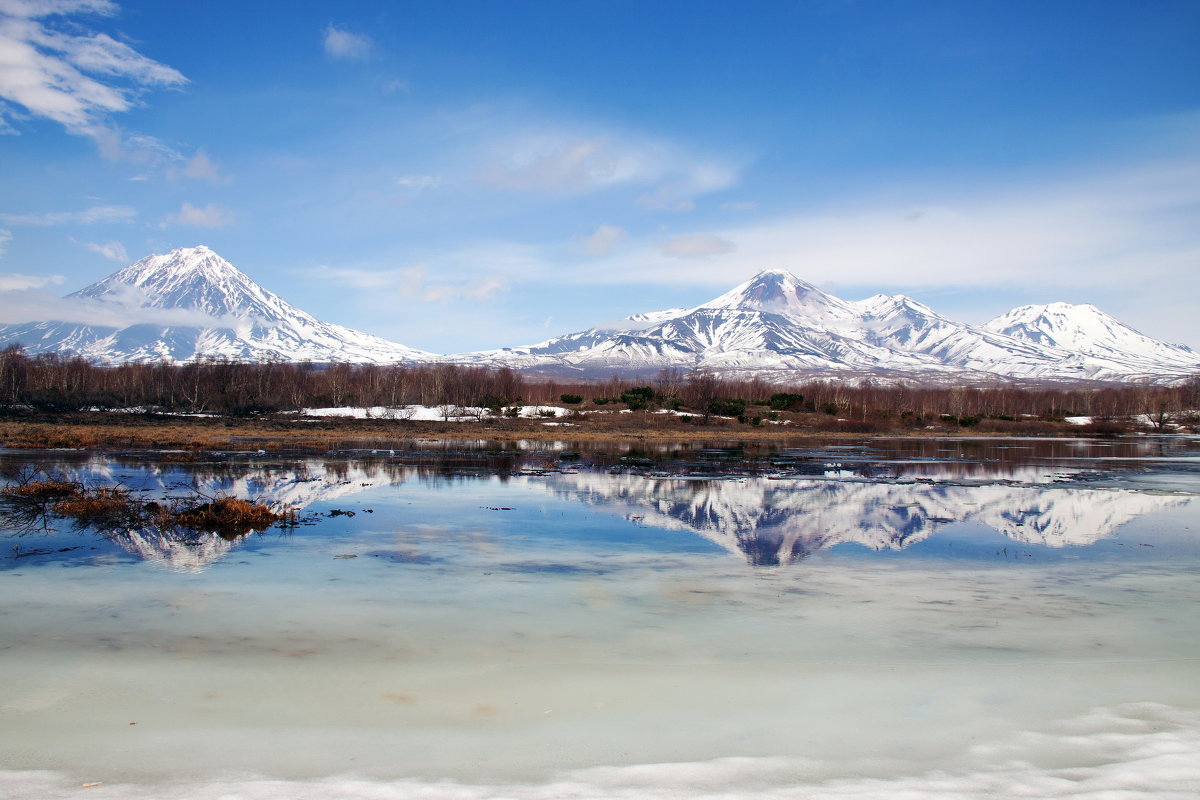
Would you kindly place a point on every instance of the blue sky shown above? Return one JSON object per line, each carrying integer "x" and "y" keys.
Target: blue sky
{"x": 466, "y": 175}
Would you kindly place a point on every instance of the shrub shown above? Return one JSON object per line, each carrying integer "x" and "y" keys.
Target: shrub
{"x": 786, "y": 401}
{"x": 637, "y": 397}
{"x": 727, "y": 407}
{"x": 570, "y": 399}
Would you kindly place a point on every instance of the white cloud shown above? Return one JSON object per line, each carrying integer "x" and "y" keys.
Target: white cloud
{"x": 578, "y": 161}
{"x": 67, "y": 73}
{"x": 419, "y": 183}
{"x": 1129, "y": 227}
{"x": 604, "y": 240}
{"x": 23, "y": 302}
{"x": 342, "y": 44}
{"x": 209, "y": 216}
{"x": 5, "y": 238}
{"x": 200, "y": 167}
{"x": 13, "y": 281}
{"x": 412, "y": 282}
{"x": 113, "y": 251}
{"x": 480, "y": 289}
{"x": 696, "y": 245}
{"x": 361, "y": 278}
{"x": 96, "y": 215}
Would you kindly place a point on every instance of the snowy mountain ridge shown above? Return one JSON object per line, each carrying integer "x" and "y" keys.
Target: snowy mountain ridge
{"x": 776, "y": 323}
{"x": 191, "y": 304}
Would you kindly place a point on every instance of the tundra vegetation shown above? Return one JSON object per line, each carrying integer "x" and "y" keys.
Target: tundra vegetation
{"x": 40, "y": 387}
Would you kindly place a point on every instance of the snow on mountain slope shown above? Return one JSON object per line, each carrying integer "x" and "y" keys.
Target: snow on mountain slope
{"x": 1086, "y": 330}
{"x": 776, "y": 322}
{"x": 190, "y": 304}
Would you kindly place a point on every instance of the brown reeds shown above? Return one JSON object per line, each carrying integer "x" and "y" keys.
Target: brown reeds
{"x": 114, "y": 509}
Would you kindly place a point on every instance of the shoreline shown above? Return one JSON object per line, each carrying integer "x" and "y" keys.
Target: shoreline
{"x": 110, "y": 430}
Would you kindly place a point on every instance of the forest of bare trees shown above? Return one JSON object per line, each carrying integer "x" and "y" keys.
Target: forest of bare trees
{"x": 49, "y": 382}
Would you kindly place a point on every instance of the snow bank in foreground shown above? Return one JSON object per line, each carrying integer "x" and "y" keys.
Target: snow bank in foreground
{"x": 1142, "y": 750}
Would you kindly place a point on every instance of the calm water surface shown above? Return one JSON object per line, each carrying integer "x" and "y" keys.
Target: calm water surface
{"x": 886, "y": 617}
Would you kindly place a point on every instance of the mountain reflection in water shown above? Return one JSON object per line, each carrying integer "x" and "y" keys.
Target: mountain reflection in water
{"x": 771, "y": 508}
{"x": 777, "y": 522}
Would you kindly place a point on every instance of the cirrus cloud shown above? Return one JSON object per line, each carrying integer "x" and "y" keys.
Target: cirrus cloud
{"x": 209, "y": 216}
{"x": 604, "y": 239}
{"x": 67, "y": 73}
{"x": 113, "y": 251}
{"x": 96, "y": 215}
{"x": 585, "y": 159}
{"x": 696, "y": 245}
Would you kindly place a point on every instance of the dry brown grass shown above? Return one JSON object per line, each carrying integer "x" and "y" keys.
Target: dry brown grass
{"x": 42, "y": 491}
{"x": 224, "y": 515}
{"x": 116, "y": 509}
{"x": 102, "y": 506}
{"x": 286, "y": 432}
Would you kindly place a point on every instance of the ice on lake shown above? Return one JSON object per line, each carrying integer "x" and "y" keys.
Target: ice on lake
{"x": 944, "y": 618}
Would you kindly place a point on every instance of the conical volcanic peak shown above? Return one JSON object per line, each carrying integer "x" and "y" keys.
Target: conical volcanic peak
{"x": 780, "y": 292}
{"x": 191, "y": 304}
{"x": 193, "y": 278}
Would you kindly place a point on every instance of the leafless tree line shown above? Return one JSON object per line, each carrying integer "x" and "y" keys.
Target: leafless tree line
{"x": 54, "y": 382}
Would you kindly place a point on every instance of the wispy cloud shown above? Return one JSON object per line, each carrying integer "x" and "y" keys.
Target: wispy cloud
{"x": 16, "y": 282}
{"x": 113, "y": 251}
{"x": 5, "y": 238}
{"x": 363, "y": 278}
{"x": 340, "y": 43}
{"x": 696, "y": 245}
{"x": 583, "y": 159}
{"x": 90, "y": 216}
{"x": 603, "y": 240}
{"x": 419, "y": 183}
{"x": 209, "y": 216}
{"x": 22, "y": 301}
{"x": 1134, "y": 225}
{"x": 67, "y": 73}
{"x": 199, "y": 167}
{"x": 480, "y": 289}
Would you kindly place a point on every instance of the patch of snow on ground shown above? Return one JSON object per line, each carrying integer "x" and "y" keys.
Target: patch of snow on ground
{"x": 443, "y": 413}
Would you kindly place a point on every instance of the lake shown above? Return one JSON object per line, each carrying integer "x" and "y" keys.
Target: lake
{"x": 926, "y": 618}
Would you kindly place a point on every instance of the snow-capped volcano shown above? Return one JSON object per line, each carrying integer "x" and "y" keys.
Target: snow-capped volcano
{"x": 776, "y": 322}
{"x": 1088, "y": 331}
{"x": 189, "y": 304}
{"x": 776, "y": 291}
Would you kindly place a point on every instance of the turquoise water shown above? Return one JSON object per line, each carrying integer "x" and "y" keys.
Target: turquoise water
{"x": 851, "y": 619}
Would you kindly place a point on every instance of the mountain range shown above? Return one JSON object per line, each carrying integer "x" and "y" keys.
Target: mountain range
{"x": 191, "y": 304}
